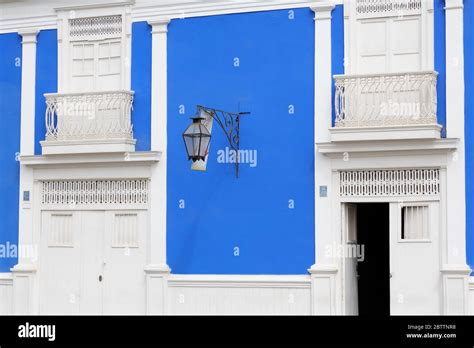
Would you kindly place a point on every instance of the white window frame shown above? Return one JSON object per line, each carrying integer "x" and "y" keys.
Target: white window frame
{"x": 96, "y": 58}
{"x": 350, "y": 35}
{"x": 65, "y": 65}
{"x": 423, "y": 204}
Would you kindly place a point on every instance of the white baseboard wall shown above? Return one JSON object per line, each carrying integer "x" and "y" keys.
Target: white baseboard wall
{"x": 239, "y": 294}
{"x": 471, "y": 296}
{"x": 226, "y": 294}
{"x": 6, "y": 293}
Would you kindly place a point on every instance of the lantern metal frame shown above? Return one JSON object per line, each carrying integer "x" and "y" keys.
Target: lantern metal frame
{"x": 197, "y": 119}
{"x": 229, "y": 122}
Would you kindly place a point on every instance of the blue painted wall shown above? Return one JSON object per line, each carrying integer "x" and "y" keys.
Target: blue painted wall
{"x": 141, "y": 84}
{"x": 275, "y": 50}
{"x": 46, "y": 79}
{"x": 469, "y": 126}
{"x": 10, "y": 105}
{"x": 440, "y": 61}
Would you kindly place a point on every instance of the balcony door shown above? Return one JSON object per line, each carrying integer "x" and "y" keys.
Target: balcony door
{"x": 96, "y": 65}
{"x": 94, "y": 51}
{"x": 393, "y": 36}
{"x": 391, "y": 44}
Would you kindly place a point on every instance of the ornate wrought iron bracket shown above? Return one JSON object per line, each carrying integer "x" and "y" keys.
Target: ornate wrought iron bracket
{"x": 230, "y": 124}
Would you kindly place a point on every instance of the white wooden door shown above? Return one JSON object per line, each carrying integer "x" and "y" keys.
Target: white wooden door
{"x": 415, "y": 281}
{"x": 92, "y": 262}
{"x": 349, "y": 219}
{"x": 125, "y": 258}
{"x": 59, "y": 276}
{"x": 92, "y": 230}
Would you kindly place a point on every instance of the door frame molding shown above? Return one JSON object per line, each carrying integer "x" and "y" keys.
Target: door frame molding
{"x": 82, "y": 167}
{"x": 377, "y": 155}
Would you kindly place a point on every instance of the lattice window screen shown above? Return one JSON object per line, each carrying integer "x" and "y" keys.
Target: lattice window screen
{"x": 403, "y": 182}
{"x": 95, "y": 192}
{"x": 95, "y": 27}
{"x": 387, "y": 8}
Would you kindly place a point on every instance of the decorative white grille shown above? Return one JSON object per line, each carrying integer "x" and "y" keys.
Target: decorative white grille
{"x": 386, "y": 8}
{"x": 95, "y": 27}
{"x": 403, "y": 182}
{"x": 95, "y": 192}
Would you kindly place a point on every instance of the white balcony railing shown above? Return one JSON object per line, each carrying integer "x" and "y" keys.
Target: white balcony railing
{"x": 89, "y": 116}
{"x": 395, "y": 99}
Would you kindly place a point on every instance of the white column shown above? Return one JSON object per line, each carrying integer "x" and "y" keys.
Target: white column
{"x": 323, "y": 272}
{"x": 454, "y": 268}
{"x": 157, "y": 270}
{"x": 23, "y": 272}
{"x": 28, "y": 85}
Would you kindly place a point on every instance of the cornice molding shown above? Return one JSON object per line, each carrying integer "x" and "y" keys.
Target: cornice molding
{"x": 96, "y": 5}
{"x": 186, "y": 10}
{"x": 8, "y": 25}
{"x": 176, "y": 9}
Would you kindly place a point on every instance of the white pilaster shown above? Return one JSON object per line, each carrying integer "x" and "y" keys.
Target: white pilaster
{"x": 23, "y": 272}
{"x": 323, "y": 272}
{"x": 157, "y": 269}
{"x": 454, "y": 268}
{"x": 28, "y": 84}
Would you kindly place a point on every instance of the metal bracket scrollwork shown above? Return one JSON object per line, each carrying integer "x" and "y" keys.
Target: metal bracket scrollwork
{"x": 230, "y": 124}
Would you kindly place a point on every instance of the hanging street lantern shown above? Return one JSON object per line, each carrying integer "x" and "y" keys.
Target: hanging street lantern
{"x": 197, "y": 136}
{"x": 196, "y": 139}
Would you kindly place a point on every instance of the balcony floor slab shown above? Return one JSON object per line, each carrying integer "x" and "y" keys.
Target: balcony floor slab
{"x": 408, "y": 132}
{"x": 87, "y": 146}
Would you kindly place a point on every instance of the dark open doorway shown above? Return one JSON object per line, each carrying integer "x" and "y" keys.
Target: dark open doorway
{"x": 374, "y": 271}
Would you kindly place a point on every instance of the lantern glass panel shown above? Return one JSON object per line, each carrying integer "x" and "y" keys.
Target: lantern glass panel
{"x": 196, "y": 139}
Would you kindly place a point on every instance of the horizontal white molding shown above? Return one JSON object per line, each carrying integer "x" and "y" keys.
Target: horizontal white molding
{"x": 94, "y": 6}
{"x": 202, "y": 8}
{"x": 14, "y": 24}
{"x": 428, "y": 131}
{"x": 6, "y": 278}
{"x": 132, "y": 158}
{"x": 46, "y": 18}
{"x": 246, "y": 281}
{"x": 426, "y": 146}
{"x": 456, "y": 269}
